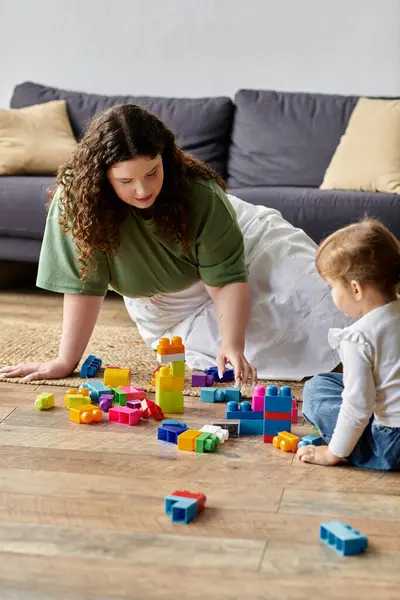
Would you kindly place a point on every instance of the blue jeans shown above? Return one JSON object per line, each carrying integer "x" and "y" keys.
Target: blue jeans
{"x": 379, "y": 446}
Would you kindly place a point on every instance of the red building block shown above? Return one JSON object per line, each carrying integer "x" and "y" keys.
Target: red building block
{"x": 277, "y": 416}
{"x": 151, "y": 409}
{"x": 268, "y": 439}
{"x": 201, "y": 498}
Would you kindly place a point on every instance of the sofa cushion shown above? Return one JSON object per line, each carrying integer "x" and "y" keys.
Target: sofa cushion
{"x": 320, "y": 212}
{"x": 22, "y": 205}
{"x": 368, "y": 155}
{"x": 282, "y": 138}
{"x": 35, "y": 140}
{"x": 202, "y": 125}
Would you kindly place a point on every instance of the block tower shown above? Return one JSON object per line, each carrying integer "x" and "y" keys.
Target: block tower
{"x": 170, "y": 380}
{"x": 277, "y": 410}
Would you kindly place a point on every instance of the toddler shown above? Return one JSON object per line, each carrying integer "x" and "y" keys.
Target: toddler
{"x": 358, "y": 413}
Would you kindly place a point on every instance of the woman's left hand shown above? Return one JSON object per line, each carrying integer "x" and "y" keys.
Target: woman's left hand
{"x": 245, "y": 373}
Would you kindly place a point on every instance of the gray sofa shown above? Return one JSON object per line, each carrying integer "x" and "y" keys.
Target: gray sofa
{"x": 272, "y": 147}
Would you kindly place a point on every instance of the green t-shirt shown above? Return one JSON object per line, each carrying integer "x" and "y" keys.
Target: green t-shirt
{"x": 148, "y": 261}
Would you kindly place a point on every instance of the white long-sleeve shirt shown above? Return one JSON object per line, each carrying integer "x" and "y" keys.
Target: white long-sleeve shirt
{"x": 370, "y": 352}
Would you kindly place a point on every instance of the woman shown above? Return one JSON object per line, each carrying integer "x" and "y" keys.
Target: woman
{"x": 134, "y": 213}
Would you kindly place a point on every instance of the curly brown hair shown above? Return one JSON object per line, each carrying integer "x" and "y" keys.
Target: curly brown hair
{"x": 91, "y": 209}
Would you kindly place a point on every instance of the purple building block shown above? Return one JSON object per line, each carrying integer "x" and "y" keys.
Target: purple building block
{"x": 106, "y": 402}
{"x": 134, "y": 404}
{"x": 202, "y": 380}
{"x": 227, "y": 376}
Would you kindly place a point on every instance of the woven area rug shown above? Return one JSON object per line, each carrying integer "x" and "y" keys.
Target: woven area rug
{"x": 23, "y": 341}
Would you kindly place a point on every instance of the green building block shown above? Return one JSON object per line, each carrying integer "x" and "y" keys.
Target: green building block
{"x": 170, "y": 402}
{"x": 211, "y": 443}
{"x": 44, "y": 401}
{"x": 119, "y": 397}
{"x": 200, "y": 441}
{"x": 178, "y": 368}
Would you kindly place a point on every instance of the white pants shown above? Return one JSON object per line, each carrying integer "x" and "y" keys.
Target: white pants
{"x": 291, "y": 308}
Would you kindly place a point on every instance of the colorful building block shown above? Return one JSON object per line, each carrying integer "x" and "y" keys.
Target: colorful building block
{"x": 251, "y": 427}
{"x": 119, "y": 396}
{"x": 90, "y": 367}
{"x": 170, "y": 402}
{"x": 251, "y": 423}
{"x": 278, "y": 402}
{"x": 232, "y": 426}
{"x": 229, "y": 374}
{"x": 342, "y": 538}
{"x": 134, "y": 404}
{"x": 74, "y": 400}
{"x": 258, "y": 398}
{"x": 133, "y": 393}
{"x": 181, "y": 509}
{"x": 210, "y": 394}
{"x": 187, "y": 440}
{"x": 285, "y": 441}
{"x": 202, "y": 380}
{"x": 310, "y": 440}
{"x": 96, "y": 389}
{"x": 124, "y": 415}
{"x": 150, "y": 409}
{"x": 178, "y": 368}
{"x": 273, "y": 427}
{"x": 85, "y": 414}
{"x": 106, "y": 402}
{"x": 201, "y": 498}
{"x": 222, "y": 434}
{"x": 174, "y": 422}
{"x": 206, "y": 442}
{"x": 116, "y": 377}
{"x": 170, "y": 347}
{"x": 170, "y": 433}
{"x": 44, "y": 401}
{"x": 295, "y": 412}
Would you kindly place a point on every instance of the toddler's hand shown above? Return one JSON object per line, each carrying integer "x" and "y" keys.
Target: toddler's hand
{"x": 53, "y": 369}
{"x": 245, "y": 373}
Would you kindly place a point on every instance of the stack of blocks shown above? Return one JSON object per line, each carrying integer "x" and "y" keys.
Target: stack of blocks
{"x": 269, "y": 412}
{"x": 277, "y": 410}
{"x": 183, "y": 506}
{"x": 170, "y": 381}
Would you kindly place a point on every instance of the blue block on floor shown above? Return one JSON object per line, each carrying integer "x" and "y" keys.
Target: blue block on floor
{"x": 232, "y": 393}
{"x": 277, "y": 404}
{"x": 173, "y": 422}
{"x": 251, "y": 427}
{"x": 182, "y": 510}
{"x": 169, "y": 433}
{"x": 272, "y": 427}
{"x": 342, "y": 538}
{"x": 90, "y": 367}
{"x": 210, "y": 394}
{"x": 227, "y": 376}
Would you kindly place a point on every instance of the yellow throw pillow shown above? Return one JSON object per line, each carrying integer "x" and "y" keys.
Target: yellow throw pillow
{"x": 368, "y": 155}
{"x": 35, "y": 140}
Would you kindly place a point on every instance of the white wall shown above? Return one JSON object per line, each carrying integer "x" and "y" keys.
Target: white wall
{"x": 201, "y": 47}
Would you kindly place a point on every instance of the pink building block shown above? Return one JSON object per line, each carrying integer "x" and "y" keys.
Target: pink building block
{"x": 133, "y": 393}
{"x": 295, "y": 416}
{"x": 258, "y": 398}
{"x": 125, "y": 415}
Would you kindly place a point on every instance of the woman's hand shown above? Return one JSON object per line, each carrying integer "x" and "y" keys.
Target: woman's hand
{"x": 53, "y": 369}
{"x": 245, "y": 373}
{"x": 318, "y": 455}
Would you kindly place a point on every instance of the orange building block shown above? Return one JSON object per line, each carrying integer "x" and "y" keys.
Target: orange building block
{"x": 175, "y": 346}
{"x": 85, "y": 414}
{"x": 285, "y": 441}
{"x": 188, "y": 442}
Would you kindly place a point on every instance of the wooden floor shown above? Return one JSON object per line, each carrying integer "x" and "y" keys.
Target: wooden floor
{"x": 81, "y": 509}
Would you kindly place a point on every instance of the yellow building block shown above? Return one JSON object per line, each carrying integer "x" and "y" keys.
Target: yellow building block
{"x": 44, "y": 401}
{"x": 165, "y": 382}
{"x": 188, "y": 442}
{"x": 85, "y": 414}
{"x": 75, "y": 398}
{"x": 117, "y": 377}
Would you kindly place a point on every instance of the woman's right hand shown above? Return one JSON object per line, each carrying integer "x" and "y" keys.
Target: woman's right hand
{"x": 52, "y": 369}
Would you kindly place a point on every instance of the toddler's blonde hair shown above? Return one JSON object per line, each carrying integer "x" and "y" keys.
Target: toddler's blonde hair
{"x": 366, "y": 252}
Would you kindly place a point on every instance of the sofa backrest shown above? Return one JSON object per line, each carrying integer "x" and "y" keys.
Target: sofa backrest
{"x": 282, "y": 138}
{"x": 202, "y": 125}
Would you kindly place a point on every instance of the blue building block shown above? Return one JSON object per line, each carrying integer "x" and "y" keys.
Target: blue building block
{"x": 286, "y": 391}
{"x": 272, "y": 427}
{"x": 274, "y": 402}
{"x": 182, "y": 510}
{"x": 96, "y": 389}
{"x": 173, "y": 422}
{"x": 90, "y": 367}
{"x": 169, "y": 433}
{"x": 210, "y": 394}
{"x": 251, "y": 427}
{"x": 244, "y": 416}
{"x": 342, "y": 538}
{"x": 232, "y": 393}
{"x": 227, "y": 376}
{"x": 310, "y": 440}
